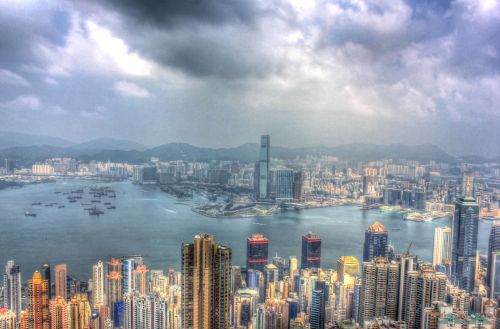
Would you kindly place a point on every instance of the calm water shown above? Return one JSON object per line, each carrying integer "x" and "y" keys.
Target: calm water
{"x": 149, "y": 222}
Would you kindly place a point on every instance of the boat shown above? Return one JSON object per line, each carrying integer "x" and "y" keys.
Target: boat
{"x": 107, "y": 203}
{"x": 96, "y": 212}
{"x": 36, "y": 204}
{"x": 31, "y": 214}
{"x": 61, "y": 206}
{"x": 49, "y": 205}
{"x": 96, "y": 201}
{"x": 112, "y": 207}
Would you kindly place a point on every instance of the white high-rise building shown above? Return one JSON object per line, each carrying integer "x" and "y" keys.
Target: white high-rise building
{"x": 442, "y": 245}
{"x": 98, "y": 293}
{"x": 12, "y": 288}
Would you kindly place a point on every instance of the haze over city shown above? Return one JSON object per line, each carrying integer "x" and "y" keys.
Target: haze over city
{"x": 218, "y": 74}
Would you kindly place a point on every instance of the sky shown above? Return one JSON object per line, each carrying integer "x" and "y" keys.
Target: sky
{"x": 220, "y": 73}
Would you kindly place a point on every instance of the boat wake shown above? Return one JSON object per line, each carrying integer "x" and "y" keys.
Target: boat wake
{"x": 170, "y": 211}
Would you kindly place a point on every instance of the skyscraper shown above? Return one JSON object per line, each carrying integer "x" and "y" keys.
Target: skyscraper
{"x": 442, "y": 246}
{"x": 465, "y": 230}
{"x": 422, "y": 289}
{"x": 59, "y": 317}
{"x": 7, "y": 319}
{"x": 46, "y": 275}
{"x": 311, "y": 251}
{"x": 80, "y": 312}
{"x": 347, "y": 265}
{"x": 493, "y": 248}
{"x": 318, "y": 303}
{"x": 38, "y": 302}
{"x": 257, "y": 252}
{"x": 206, "y": 270}
{"x": 379, "y": 291}
{"x": 12, "y": 288}
{"x": 98, "y": 296}
{"x": 284, "y": 185}
{"x": 141, "y": 280}
{"x": 61, "y": 278}
{"x": 262, "y": 166}
{"x": 128, "y": 267}
{"x": 376, "y": 242}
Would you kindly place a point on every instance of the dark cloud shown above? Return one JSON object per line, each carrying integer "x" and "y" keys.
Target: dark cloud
{"x": 168, "y": 13}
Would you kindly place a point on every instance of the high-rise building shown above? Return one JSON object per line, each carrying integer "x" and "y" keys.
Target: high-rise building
{"x": 422, "y": 289}
{"x": 347, "y": 265}
{"x": 141, "y": 280}
{"x": 442, "y": 246}
{"x": 376, "y": 242}
{"x": 9, "y": 166}
{"x": 146, "y": 312}
{"x": 318, "y": 303}
{"x": 465, "y": 231}
{"x": 298, "y": 186}
{"x": 257, "y": 252}
{"x": 284, "y": 185}
{"x": 59, "y": 315}
{"x": 128, "y": 267}
{"x": 262, "y": 168}
{"x": 311, "y": 251}
{"x": 80, "y": 312}
{"x": 492, "y": 282}
{"x": 61, "y": 280}
{"x": 407, "y": 263}
{"x": 98, "y": 296}
{"x": 7, "y": 319}
{"x": 38, "y": 302}
{"x": 12, "y": 288}
{"x": 206, "y": 271}
{"x": 380, "y": 289}
{"x": 46, "y": 275}
{"x": 113, "y": 283}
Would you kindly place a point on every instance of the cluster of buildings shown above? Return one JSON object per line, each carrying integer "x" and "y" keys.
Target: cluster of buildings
{"x": 386, "y": 289}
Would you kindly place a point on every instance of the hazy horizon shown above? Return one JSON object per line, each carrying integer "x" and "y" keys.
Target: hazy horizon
{"x": 217, "y": 74}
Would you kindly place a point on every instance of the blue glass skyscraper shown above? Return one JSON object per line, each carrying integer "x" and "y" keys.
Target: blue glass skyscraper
{"x": 465, "y": 230}
{"x": 376, "y": 242}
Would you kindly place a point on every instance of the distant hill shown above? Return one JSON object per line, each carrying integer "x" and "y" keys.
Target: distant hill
{"x": 244, "y": 153}
{"x": 110, "y": 144}
{"x": 14, "y": 139}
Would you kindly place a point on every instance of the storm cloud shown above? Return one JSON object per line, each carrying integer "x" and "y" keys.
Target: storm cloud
{"x": 219, "y": 73}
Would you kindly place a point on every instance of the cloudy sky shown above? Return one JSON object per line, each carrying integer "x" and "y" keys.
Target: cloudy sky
{"x": 221, "y": 72}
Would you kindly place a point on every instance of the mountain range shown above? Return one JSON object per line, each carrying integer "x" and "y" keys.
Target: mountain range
{"x": 27, "y": 149}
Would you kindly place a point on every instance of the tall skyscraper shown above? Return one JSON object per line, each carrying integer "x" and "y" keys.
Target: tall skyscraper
{"x": 318, "y": 303}
{"x": 80, "y": 312}
{"x": 284, "y": 185}
{"x": 311, "y": 251}
{"x": 9, "y": 166}
{"x": 98, "y": 296}
{"x": 128, "y": 267}
{"x": 347, "y": 265}
{"x": 493, "y": 248}
{"x": 262, "y": 168}
{"x": 38, "y": 302}
{"x": 113, "y": 283}
{"x": 206, "y": 270}
{"x": 380, "y": 289}
{"x": 422, "y": 289}
{"x": 61, "y": 278}
{"x": 376, "y": 242}
{"x": 257, "y": 252}
{"x": 465, "y": 230}
{"x": 442, "y": 246}
{"x": 46, "y": 275}
{"x": 141, "y": 280}
{"x": 12, "y": 288}
{"x": 59, "y": 316}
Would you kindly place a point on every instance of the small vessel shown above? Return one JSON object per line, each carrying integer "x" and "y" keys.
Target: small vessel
{"x": 61, "y": 206}
{"x": 96, "y": 212}
{"x": 107, "y": 203}
{"x": 36, "y": 204}
{"x": 27, "y": 213}
{"x": 49, "y": 205}
{"x": 96, "y": 201}
{"x": 112, "y": 207}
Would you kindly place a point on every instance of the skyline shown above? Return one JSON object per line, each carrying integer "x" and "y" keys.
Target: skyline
{"x": 218, "y": 74}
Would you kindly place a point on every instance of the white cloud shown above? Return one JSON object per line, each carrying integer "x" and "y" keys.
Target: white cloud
{"x": 92, "y": 48}
{"x": 11, "y": 78}
{"x": 50, "y": 81}
{"x": 127, "y": 88}
{"x": 23, "y": 102}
